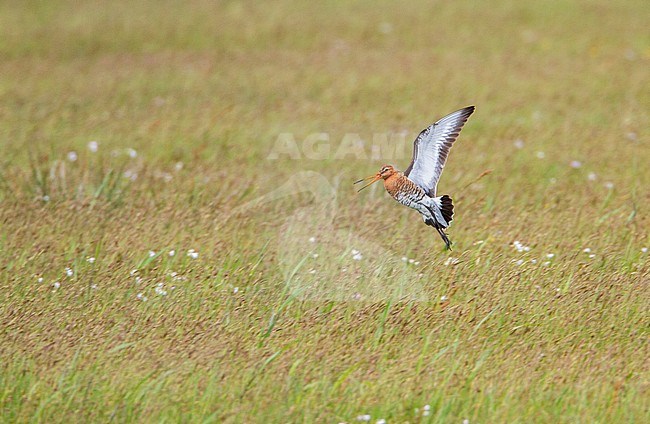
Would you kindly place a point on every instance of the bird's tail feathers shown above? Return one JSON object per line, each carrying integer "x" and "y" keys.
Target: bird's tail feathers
{"x": 446, "y": 207}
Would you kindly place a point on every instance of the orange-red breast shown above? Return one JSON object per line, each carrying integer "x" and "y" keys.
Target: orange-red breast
{"x": 416, "y": 187}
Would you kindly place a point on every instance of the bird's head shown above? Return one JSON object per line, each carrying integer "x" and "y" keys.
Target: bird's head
{"x": 385, "y": 172}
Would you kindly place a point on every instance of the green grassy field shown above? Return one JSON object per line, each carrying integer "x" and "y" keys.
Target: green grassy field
{"x": 168, "y": 257}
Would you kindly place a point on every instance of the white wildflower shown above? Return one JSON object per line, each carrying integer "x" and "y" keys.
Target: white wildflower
{"x": 130, "y": 175}
{"x": 172, "y": 252}
{"x": 69, "y": 272}
{"x": 56, "y": 285}
{"x": 426, "y": 410}
{"x": 91, "y": 260}
{"x": 575, "y": 164}
{"x": 132, "y": 153}
{"x": 72, "y": 156}
{"x": 312, "y": 239}
{"x": 520, "y": 247}
{"x": 93, "y": 146}
{"x": 152, "y": 253}
{"x": 592, "y": 176}
{"x": 540, "y": 155}
{"x": 519, "y": 143}
{"x": 451, "y": 261}
{"x": 159, "y": 289}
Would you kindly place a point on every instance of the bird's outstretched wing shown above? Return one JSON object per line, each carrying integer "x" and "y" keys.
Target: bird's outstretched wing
{"x": 431, "y": 148}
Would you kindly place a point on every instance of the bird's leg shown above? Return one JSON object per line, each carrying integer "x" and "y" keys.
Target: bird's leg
{"x": 432, "y": 222}
{"x": 444, "y": 237}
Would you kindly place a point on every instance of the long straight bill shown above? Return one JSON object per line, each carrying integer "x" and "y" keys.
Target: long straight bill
{"x": 374, "y": 178}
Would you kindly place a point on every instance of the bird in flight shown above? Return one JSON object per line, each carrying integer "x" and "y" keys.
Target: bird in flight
{"x": 416, "y": 187}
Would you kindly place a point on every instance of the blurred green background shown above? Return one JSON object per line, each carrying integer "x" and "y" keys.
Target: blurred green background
{"x": 135, "y": 127}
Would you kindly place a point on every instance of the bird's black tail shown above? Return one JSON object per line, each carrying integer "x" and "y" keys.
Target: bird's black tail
{"x": 447, "y": 209}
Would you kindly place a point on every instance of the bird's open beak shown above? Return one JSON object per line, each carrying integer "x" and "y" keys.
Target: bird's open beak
{"x": 374, "y": 178}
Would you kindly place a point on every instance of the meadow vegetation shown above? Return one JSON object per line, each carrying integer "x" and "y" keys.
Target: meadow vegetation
{"x": 157, "y": 265}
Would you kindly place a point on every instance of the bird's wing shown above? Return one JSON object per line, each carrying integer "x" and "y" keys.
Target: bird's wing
{"x": 431, "y": 148}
